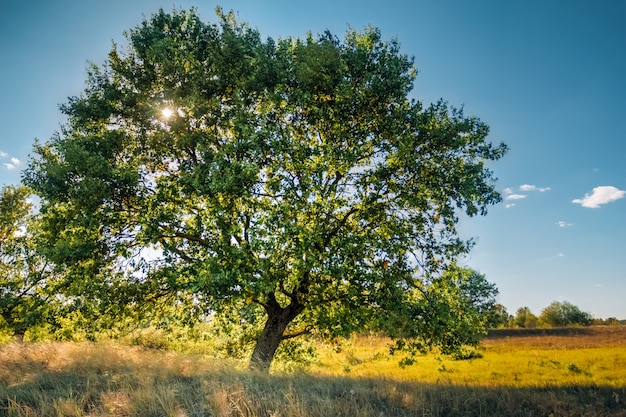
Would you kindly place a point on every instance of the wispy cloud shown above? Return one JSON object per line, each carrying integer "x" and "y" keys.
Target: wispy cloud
{"x": 530, "y": 187}
{"x": 3, "y": 154}
{"x": 600, "y": 195}
{"x": 517, "y": 193}
{"x": 515, "y": 196}
{"x": 561, "y": 223}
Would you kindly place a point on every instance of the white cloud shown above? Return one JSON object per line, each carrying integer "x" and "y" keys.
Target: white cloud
{"x": 561, "y": 255}
{"x": 515, "y": 193}
{"x": 530, "y": 187}
{"x": 561, "y": 223}
{"x": 13, "y": 164}
{"x": 515, "y": 196}
{"x": 600, "y": 195}
{"x": 511, "y": 193}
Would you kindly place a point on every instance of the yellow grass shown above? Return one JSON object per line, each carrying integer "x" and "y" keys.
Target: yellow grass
{"x": 572, "y": 374}
{"x": 593, "y": 356}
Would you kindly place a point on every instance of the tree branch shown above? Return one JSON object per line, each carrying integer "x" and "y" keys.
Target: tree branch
{"x": 333, "y": 232}
{"x": 175, "y": 250}
{"x": 297, "y": 334}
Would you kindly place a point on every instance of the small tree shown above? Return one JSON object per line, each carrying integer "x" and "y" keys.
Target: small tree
{"x": 294, "y": 180}
{"x": 525, "y": 318}
{"x": 499, "y": 317}
{"x": 611, "y": 321}
{"x": 560, "y": 314}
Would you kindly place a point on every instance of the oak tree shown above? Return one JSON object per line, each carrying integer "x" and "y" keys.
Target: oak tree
{"x": 294, "y": 179}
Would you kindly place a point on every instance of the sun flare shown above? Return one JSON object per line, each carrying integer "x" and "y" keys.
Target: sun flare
{"x": 167, "y": 113}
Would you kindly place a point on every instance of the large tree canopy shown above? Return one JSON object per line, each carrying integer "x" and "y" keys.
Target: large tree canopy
{"x": 296, "y": 175}
{"x": 24, "y": 276}
{"x": 14, "y": 288}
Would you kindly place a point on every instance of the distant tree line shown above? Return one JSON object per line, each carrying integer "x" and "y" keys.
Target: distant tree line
{"x": 557, "y": 314}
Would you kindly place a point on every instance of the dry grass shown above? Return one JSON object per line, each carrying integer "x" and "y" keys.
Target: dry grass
{"x": 74, "y": 379}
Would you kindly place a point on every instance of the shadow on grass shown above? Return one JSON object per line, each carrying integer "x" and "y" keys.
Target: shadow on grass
{"x": 124, "y": 389}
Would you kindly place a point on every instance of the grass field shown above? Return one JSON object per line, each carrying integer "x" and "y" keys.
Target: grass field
{"x": 561, "y": 372}
{"x": 587, "y": 356}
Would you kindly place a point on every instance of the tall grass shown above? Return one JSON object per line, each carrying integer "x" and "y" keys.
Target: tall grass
{"x": 85, "y": 379}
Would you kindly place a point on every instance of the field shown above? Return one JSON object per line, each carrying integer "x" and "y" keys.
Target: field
{"x": 552, "y": 372}
{"x": 586, "y": 356}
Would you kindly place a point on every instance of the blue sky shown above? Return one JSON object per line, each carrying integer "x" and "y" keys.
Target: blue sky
{"x": 547, "y": 76}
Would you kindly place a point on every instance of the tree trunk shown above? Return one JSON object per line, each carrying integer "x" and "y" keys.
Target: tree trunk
{"x": 278, "y": 318}
{"x": 18, "y": 337}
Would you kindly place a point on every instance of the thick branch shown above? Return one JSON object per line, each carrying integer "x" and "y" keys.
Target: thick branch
{"x": 178, "y": 252}
{"x": 297, "y": 334}
{"x": 192, "y": 238}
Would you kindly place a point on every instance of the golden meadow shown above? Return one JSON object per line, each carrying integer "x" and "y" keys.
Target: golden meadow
{"x": 515, "y": 372}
